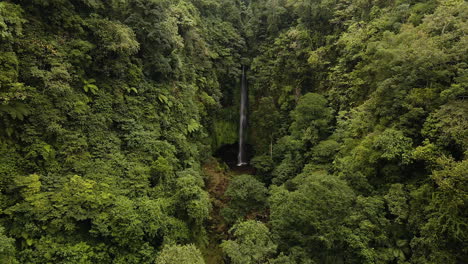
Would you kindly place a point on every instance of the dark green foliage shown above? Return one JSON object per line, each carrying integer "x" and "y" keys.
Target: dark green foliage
{"x": 267, "y": 122}
{"x": 448, "y": 127}
{"x": 7, "y": 248}
{"x": 264, "y": 166}
{"x": 325, "y": 151}
{"x": 373, "y": 94}
{"x": 357, "y": 116}
{"x": 187, "y": 254}
{"x": 311, "y": 118}
{"x": 104, "y": 113}
{"x": 252, "y": 243}
{"x": 311, "y": 214}
{"x": 246, "y": 195}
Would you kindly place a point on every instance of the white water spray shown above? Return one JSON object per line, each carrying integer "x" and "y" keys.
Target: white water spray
{"x": 243, "y": 119}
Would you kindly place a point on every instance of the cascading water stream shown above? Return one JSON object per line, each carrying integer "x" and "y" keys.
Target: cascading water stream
{"x": 243, "y": 119}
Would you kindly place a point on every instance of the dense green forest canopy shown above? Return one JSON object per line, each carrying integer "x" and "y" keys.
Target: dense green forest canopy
{"x": 111, "y": 111}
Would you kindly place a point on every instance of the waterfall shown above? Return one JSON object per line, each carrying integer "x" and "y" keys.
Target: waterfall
{"x": 243, "y": 119}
